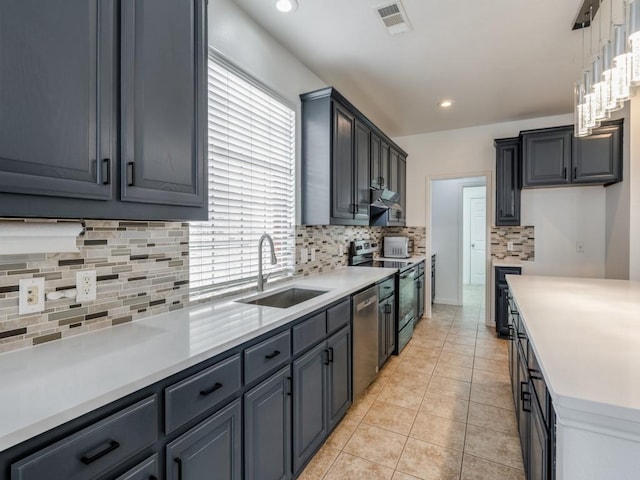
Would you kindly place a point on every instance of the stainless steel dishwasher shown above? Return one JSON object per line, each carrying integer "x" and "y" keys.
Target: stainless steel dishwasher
{"x": 365, "y": 339}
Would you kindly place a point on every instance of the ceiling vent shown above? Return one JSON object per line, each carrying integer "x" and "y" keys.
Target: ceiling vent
{"x": 394, "y": 17}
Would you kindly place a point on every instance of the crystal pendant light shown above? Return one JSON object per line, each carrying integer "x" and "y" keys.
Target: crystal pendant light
{"x": 634, "y": 41}
{"x": 598, "y": 85}
{"x": 622, "y": 65}
{"x": 590, "y": 121}
{"x": 611, "y": 104}
{"x": 580, "y": 129}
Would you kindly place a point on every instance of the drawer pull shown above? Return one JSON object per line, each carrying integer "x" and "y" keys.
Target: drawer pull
{"x": 209, "y": 391}
{"x": 330, "y": 354}
{"x": 87, "y": 460}
{"x": 272, "y": 355}
{"x": 533, "y": 373}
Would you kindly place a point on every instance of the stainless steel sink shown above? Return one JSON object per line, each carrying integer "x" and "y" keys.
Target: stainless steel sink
{"x": 285, "y": 298}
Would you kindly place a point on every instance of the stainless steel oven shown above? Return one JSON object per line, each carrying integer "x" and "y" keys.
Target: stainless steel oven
{"x": 406, "y": 306}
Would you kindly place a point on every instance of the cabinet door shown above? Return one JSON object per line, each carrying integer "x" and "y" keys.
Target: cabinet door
{"x": 309, "y": 404}
{"x": 56, "y": 96}
{"x": 362, "y": 160}
{"x": 163, "y": 102}
{"x": 546, "y": 155}
{"x": 384, "y": 163}
{"x": 538, "y": 446}
{"x": 502, "y": 309}
{"x": 524, "y": 408}
{"x": 339, "y": 376}
{"x": 342, "y": 174}
{"x": 267, "y": 428}
{"x": 402, "y": 187}
{"x": 211, "y": 450}
{"x": 383, "y": 349}
{"x": 598, "y": 157}
{"x": 147, "y": 470}
{"x": 390, "y": 323}
{"x": 376, "y": 173}
{"x": 393, "y": 170}
{"x": 508, "y": 181}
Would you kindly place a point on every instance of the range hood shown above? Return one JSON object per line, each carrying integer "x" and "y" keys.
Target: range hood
{"x": 384, "y": 199}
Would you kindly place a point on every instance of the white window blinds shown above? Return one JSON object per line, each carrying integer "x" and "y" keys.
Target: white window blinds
{"x": 251, "y": 185}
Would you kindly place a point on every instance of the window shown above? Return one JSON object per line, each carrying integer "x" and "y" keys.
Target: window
{"x": 251, "y": 185}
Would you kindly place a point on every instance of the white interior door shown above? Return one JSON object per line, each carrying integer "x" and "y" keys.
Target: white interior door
{"x": 477, "y": 244}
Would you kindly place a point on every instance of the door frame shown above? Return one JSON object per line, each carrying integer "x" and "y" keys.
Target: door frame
{"x": 490, "y": 198}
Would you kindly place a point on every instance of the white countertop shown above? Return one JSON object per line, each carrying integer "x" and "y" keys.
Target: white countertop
{"x": 586, "y": 336}
{"x": 506, "y": 263}
{"x": 413, "y": 259}
{"x": 47, "y": 385}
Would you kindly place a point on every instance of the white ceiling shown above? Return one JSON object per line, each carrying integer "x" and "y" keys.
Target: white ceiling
{"x": 500, "y": 60}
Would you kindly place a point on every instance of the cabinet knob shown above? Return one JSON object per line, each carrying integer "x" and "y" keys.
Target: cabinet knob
{"x": 106, "y": 171}
{"x": 131, "y": 174}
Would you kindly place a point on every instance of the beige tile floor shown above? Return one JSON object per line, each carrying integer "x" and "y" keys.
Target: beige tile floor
{"x": 442, "y": 410}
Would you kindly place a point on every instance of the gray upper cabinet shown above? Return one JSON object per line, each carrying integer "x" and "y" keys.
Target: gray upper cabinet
{"x": 342, "y": 199}
{"x": 508, "y": 191}
{"x": 554, "y": 157}
{"x": 546, "y": 155}
{"x": 343, "y": 156}
{"x": 598, "y": 157}
{"x": 402, "y": 187}
{"x": 56, "y": 95}
{"x": 68, "y": 149}
{"x": 163, "y": 110}
{"x": 212, "y": 449}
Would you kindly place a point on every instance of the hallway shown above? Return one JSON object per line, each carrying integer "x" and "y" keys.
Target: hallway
{"x": 442, "y": 410}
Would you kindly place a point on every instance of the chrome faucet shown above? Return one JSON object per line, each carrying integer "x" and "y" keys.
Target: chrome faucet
{"x": 274, "y": 260}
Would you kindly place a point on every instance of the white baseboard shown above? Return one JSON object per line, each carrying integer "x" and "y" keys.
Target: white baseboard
{"x": 447, "y": 301}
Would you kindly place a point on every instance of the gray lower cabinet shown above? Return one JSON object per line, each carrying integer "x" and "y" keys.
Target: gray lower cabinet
{"x": 309, "y": 404}
{"x": 321, "y": 394}
{"x": 209, "y": 451}
{"x": 147, "y": 470}
{"x": 267, "y": 429}
{"x": 96, "y": 449}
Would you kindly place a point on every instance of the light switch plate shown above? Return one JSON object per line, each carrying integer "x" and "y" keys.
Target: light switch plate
{"x": 509, "y": 246}
{"x": 313, "y": 254}
{"x": 304, "y": 255}
{"x": 31, "y": 296}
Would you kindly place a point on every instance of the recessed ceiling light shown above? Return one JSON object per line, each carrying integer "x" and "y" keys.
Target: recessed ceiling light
{"x": 445, "y": 103}
{"x": 286, "y": 6}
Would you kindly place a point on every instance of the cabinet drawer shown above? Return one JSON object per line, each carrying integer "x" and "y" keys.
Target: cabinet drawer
{"x": 339, "y": 316}
{"x": 147, "y": 470}
{"x": 94, "y": 450}
{"x": 502, "y": 272}
{"x": 539, "y": 385}
{"x": 386, "y": 288}
{"x": 309, "y": 332}
{"x": 189, "y": 398}
{"x": 266, "y": 355}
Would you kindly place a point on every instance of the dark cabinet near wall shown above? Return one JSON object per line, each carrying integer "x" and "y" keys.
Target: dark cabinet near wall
{"x": 502, "y": 298}
{"x": 386, "y": 320}
{"x": 142, "y": 158}
{"x": 344, "y": 155}
{"x": 507, "y": 181}
{"x": 554, "y": 157}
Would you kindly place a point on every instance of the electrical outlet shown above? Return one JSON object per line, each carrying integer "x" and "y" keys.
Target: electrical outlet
{"x": 509, "y": 246}
{"x": 579, "y": 247}
{"x": 304, "y": 255}
{"x": 313, "y": 254}
{"x": 86, "y": 286}
{"x": 31, "y": 295}
{"x": 341, "y": 249}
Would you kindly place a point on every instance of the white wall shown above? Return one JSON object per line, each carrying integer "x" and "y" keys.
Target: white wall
{"x": 634, "y": 193}
{"x": 562, "y": 217}
{"x": 446, "y": 236}
{"x": 248, "y": 46}
{"x": 471, "y": 150}
{"x": 618, "y": 214}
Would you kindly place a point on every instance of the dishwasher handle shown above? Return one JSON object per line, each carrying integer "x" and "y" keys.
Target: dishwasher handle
{"x": 366, "y": 303}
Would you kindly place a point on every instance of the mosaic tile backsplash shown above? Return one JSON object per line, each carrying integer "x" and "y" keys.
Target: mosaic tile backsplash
{"x": 523, "y": 239}
{"x": 142, "y": 269}
{"x": 327, "y": 241}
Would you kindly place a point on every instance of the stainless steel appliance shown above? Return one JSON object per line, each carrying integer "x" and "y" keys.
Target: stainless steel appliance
{"x": 361, "y": 254}
{"x": 396, "y": 247}
{"x": 365, "y": 339}
{"x": 406, "y": 306}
